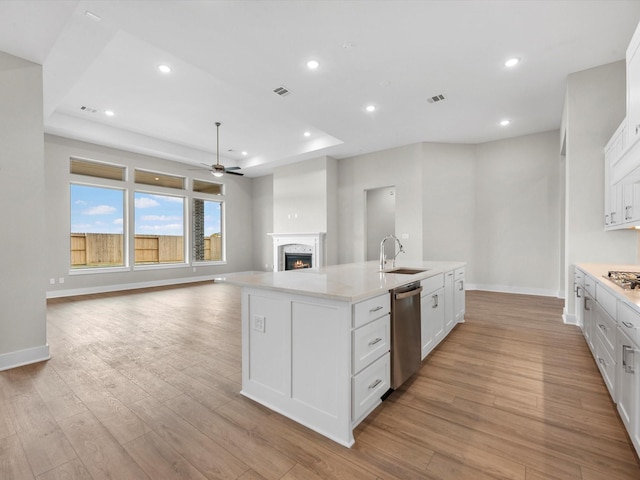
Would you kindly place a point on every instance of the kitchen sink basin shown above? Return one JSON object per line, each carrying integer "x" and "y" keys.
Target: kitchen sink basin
{"x": 405, "y": 271}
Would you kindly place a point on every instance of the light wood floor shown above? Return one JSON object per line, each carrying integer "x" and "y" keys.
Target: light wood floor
{"x": 145, "y": 385}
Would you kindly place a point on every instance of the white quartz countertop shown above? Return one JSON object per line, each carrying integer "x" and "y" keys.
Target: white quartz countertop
{"x": 600, "y": 272}
{"x": 351, "y": 282}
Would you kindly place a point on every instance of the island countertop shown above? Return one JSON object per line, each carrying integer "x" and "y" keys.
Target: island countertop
{"x": 351, "y": 282}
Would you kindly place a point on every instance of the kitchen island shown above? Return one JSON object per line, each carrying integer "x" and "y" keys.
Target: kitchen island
{"x": 316, "y": 342}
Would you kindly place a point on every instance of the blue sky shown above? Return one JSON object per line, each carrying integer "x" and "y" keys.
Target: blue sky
{"x": 100, "y": 210}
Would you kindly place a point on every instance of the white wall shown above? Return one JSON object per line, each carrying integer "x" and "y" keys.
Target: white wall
{"x": 22, "y": 288}
{"x": 594, "y": 109}
{"x": 381, "y": 220}
{"x": 400, "y": 167}
{"x": 300, "y": 197}
{"x": 305, "y": 201}
{"x": 238, "y": 221}
{"x": 448, "y": 198}
{"x": 262, "y": 213}
{"x": 517, "y": 214}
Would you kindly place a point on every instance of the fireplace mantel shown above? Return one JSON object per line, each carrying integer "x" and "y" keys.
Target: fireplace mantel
{"x": 313, "y": 243}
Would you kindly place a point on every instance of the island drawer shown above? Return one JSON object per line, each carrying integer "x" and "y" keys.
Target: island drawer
{"x": 606, "y": 326}
{"x": 370, "y": 342}
{"x": 369, "y": 385}
{"x": 607, "y": 366}
{"x": 629, "y": 322}
{"x": 590, "y": 285}
{"x": 459, "y": 273}
{"x": 371, "y": 309}
{"x": 605, "y": 298}
{"x": 432, "y": 284}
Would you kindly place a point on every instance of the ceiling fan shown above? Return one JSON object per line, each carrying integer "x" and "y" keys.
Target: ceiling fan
{"x": 218, "y": 170}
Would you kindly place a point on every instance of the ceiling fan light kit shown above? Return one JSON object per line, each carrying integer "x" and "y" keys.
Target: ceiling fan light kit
{"x": 218, "y": 170}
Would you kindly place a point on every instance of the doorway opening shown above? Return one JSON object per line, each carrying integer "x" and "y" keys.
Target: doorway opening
{"x": 380, "y": 206}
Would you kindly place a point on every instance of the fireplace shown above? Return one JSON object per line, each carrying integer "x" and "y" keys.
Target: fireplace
{"x": 306, "y": 249}
{"x": 296, "y": 261}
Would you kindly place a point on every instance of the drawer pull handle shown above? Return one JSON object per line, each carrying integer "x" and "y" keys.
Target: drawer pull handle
{"x": 379, "y": 307}
{"x": 603, "y": 327}
{"x": 434, "y": 301}
{"x": 375, "y": 384}
{"x": 602, "y": 362}
{"x": 629, "y": 325}
{"x": 374, "y": 341}
{"x": 628, "y": 368}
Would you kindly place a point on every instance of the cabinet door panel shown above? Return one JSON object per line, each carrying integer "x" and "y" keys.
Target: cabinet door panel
{"x": 432, "y": 320}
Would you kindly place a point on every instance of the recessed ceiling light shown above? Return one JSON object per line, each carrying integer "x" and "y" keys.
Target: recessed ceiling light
{"x": 164, "y": 68}
{"x": 307, "y": 134}
{"x": 512, "y": 62}
{"x": 370, "y": 108}
{"x": 109, "y": 113}
{"x": 312, "y": 64}
{"x": 505, "y": 122}
{"x": 245, "y": 153}
{"x": 92, "y": 16}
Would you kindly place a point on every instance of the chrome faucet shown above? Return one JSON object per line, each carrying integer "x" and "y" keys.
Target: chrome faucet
{"x": 383, "y": 257}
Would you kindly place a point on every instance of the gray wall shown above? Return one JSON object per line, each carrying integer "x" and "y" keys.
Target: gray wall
{"x": 518, "y": 214}
{"x": 22, "y": 281}
{"x": 594, "y": 109}
{"x": 494, "y": 205}
{"x": 262, "y": 213}
{"x": 239, "y": 221}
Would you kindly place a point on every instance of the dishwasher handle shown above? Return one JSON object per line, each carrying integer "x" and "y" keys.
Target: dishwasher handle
{"x": 410, "y": 293}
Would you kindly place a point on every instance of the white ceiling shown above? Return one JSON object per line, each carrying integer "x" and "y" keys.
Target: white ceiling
{"x": 228, "y": 56}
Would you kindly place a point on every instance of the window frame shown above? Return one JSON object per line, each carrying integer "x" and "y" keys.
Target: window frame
{"x": 109, "y": 184}
{"x": 217, "y": 199}
{"x": 165, "y": 192}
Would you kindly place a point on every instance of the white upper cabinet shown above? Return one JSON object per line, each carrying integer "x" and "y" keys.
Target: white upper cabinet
{"x": 626, "y": 170}
{"x": 633, "y": 88}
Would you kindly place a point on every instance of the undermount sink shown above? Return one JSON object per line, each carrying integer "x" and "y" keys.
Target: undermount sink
{"x": 405, "y": 271}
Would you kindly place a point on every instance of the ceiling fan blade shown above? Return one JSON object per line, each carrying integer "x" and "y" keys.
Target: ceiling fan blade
{"x": 234, "y": 173}
{"x": 231, "y": 168}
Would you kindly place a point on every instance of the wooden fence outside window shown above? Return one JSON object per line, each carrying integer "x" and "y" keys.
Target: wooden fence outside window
{"x": 106, "y": 249}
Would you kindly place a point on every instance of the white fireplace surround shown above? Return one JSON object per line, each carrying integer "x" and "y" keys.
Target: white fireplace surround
{"x": 313, "y": 243}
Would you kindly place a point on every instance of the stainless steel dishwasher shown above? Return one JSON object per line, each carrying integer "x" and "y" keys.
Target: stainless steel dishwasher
{"x": 405, "y": 332}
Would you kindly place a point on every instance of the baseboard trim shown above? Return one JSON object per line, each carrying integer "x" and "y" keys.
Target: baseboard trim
{"x": 128, "y": 286}
{"x": 24, "y": 357}
{"x": 542, "y": 292}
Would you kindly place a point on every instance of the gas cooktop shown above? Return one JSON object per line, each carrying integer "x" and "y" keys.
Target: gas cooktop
{"x": 626, "y": 280}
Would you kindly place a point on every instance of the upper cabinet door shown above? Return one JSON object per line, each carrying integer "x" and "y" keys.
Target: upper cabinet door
{"x": 633, "y": 88}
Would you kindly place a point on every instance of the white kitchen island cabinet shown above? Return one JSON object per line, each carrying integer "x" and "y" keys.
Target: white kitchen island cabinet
{"x": 316, "y": 342}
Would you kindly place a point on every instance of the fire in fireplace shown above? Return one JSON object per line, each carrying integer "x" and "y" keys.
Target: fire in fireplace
{"x": 294, "y": 261}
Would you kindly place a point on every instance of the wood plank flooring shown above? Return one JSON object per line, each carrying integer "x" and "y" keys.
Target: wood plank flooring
{"x": 144, "y": 385}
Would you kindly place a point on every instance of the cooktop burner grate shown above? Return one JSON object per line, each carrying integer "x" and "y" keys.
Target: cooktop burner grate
{"x": 626, "y": 280}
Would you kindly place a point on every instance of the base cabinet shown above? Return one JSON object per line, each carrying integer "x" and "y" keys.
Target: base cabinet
{"x": 611, "y": 327}
{"x": 432, "y": 321}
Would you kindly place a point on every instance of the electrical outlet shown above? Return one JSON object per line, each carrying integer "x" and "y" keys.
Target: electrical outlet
{"x": 194, "y": 269}
{"x": 52, "y": 281}
{"x": 258, "y": 323}
{"x": 61, "y": 280}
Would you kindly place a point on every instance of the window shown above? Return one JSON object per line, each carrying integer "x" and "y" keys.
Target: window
{"x": 159, "y": 229}
{"x": 96, "y": 169}
{"x": 207, "y": 231}
{"x": 201, "y": 186}
{"x": 159, "y": 179}
{"x": 97, "y": 227}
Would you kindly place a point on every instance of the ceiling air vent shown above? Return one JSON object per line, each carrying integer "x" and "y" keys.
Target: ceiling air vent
{"x": 88, "y": 109}
{"x": 436, "y": 99}
{"x": 282, "y": 91}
